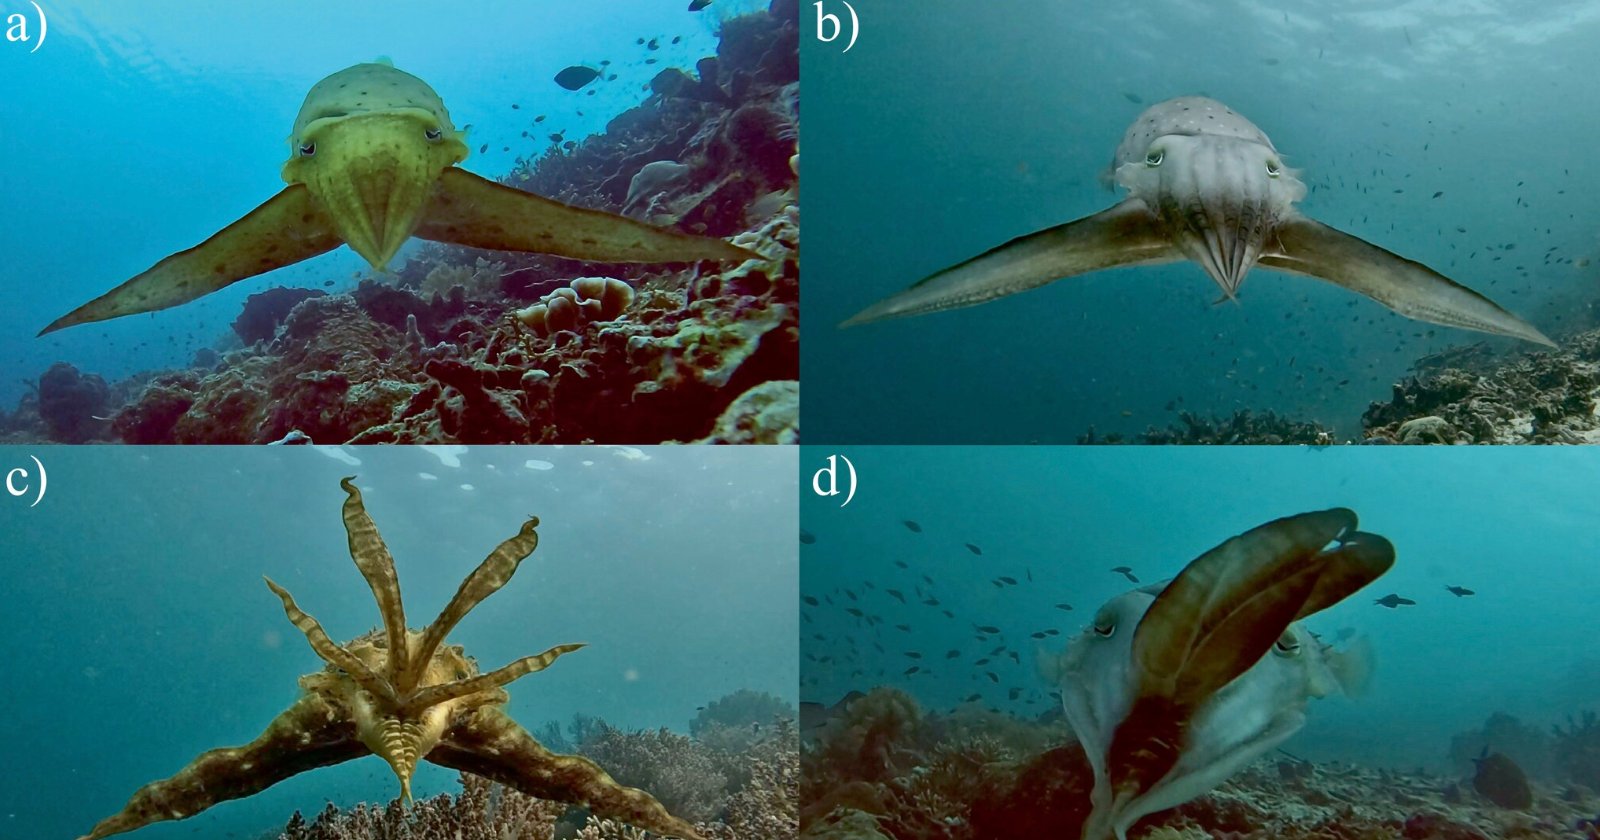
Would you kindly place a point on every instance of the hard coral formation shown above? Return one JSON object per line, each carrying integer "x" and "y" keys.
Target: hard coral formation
{"x": 265, "y": 311}
{"x": 482, "y": 811}
{"x": 437, "y": 355}
{"x": 586, "y": 300}
{"x": 69, "y": 402}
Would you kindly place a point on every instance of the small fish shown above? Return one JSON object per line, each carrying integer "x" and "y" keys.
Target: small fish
{"x": 810, "y": 601}
{"x": 483, "y": 148}
{"x": 327, "y": 283}
{"x": 1439, "y": 193}
{"x": 654, "y": 44}
{"x": 912, "y": 526}
{"x": 911, "y": 654}
{"x": 576, "y": 76}
{"x": 912, "y": 670}
{"x": 1008, "y": 581}
{"x": 973, "y": 698}
{"x": 539, "y": 118}
{"x": 807, "y": 538}
{"x": 987, "y": 628}
{"x": 1067, "y": 607}
{"x": 1459, "y": 591}
{"x": 1392, "y": 600}
{"x": 677, "y": 39}
{"x": 1133, "y": 97}
{"x": 954, "y": 654}
{"x": 1126, "y": 572}
{"x": 899, "y": 596}
{"x": 974, "y": 549}
{"x": 697, "y": 5}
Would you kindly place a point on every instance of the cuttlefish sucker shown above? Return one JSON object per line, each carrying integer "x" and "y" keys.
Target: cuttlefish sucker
{"x": 1204, "y": 184}
{"x": 373, "y": 161}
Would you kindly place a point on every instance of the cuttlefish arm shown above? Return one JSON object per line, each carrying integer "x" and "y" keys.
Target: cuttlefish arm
{"x": 488, "y": 743}
{"x": 1123, "y": 235}
{"x": 465, "y": 209}
{"x": 310, "y": 734}
{"x": 288, "y": 228}
{"x": 1306, "y": 246}
{"x": 1211, "y": 624}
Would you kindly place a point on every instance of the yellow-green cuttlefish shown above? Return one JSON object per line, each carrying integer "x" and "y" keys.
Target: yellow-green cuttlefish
{"x": 372, "y": 162}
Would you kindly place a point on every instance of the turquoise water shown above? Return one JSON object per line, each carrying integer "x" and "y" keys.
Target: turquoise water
{"x": 139, "y": 632}
{"x": 951, "y": 128}
{"x": 1516, "y": 527}
{"x": 138, "y": 130}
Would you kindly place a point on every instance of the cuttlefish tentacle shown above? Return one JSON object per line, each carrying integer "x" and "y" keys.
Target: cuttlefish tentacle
{"x": 490, "y": 744}
{"x": 372, "y": 558}
{"x": 1205, "y": 184}
{"x": 373, "y": 161}
{"x": 1207, "y": 627}
{"x": 433, "y": 695}
{"x": 310, "y": 734}
{"x": 404, "y": 697}
{"x": 332, "y": 652}
{"x": 491, "y": 574}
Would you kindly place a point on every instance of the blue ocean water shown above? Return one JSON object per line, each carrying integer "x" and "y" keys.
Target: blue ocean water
{"x": 138, "y": 130}
{"x": 140, "y": 633}
{"x": 1517, "y": 528}
{"x": 951, "y": 128}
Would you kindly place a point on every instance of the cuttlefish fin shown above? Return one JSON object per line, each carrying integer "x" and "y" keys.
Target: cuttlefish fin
{"x": 1306, "y": 246}
{"x": 286, "y": 229}
{"x": 465, "y": 209}
{"x": 308, "y": 735}
{"x": 1126, "y": 234}
{"x": 490, "y": 744}
{"x": 372, "y": 558}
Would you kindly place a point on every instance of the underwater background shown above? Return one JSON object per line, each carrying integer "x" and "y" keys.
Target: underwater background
{"x": 135, "y": 132}
{"x": 140, "y": 632}
{"x": 1518, "y": 529}
{"x": 951, "y": 128}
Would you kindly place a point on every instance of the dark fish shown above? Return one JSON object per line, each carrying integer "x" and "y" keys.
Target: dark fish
{"x": 807, "y": 538}
{"x": 1039, "y": 635}
{"x": 912, "y": 670}
{"x": 855, "y": 612}
{"x": 1392, "y": 600}
{"x": 1014, "y": 693}
{"x": 327, "y": 282}
{"x": 483, "y": 148}
{"x": 654, "y": 44}
{"x": 900, "y": 596}
{"x": 912, "y": 526}
{"x": 992, "y": 676}
{"x": 903, "y": 627}
{"x": 1439, "y": 193}
{"x": 1009, "y": 581}
{"x": 1067, "y": 607}
{"x": 677, "y": 39}
{"x": 902, "y": 564}
{"x": 974, "y": 549}
{"x": 911, "y": 654}
{"x": 576, "y": 76}
{"x": 973, "y": 698}
{"x": 987, "y": 628}
{"x": 809, "y": 600}
{"x": 539, "y": 118}
{"x": 954, "y": 654}
{"x": 1501, "y": 781}
{"x": 1132, "y": 97}
{"x": 1459, "y": 591}
{"x": 697, "y": 5}
{"x": 555, "y": 138}
{"x": 640, "y": 42}
{"x": 1126, "y": 572}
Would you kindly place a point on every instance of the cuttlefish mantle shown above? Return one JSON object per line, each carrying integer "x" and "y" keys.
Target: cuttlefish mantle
{"x": 1204, "y": 184}
{"x": 405, "y": 696}
{"x": 1177, "y": 686}
{"x": 372, "y": 162}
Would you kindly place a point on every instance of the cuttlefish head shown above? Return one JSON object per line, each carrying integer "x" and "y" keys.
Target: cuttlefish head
{"x": 1176, "y": 686}
{"x": 1219, "y": 197}
{"x": 370, "y": 143}
{"x": 394, "y": 725}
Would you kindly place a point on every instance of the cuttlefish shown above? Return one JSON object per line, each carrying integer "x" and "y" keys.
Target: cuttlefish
{"x": 405, "y": 696}
{"x": 1204, "y": 184}
{"x": 372, "y": 162}
{"x": 1177, "y": 686}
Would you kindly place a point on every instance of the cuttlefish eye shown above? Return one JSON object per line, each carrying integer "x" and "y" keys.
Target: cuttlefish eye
{"x": 1273, "y": 168}
{"x": 1154, "y": 157}
{"x": 1286, "y": 645}
{"x": 308, "y": 149}
{"x": 1105, "y": 624}
{"x": 434, "y": 133}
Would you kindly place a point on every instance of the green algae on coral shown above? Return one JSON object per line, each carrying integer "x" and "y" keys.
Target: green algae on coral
{"x": 405, "y": 696}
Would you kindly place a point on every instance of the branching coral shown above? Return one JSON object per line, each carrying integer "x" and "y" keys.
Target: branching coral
{"x": 683, "y": 776}
{"x": 482, "y": 811}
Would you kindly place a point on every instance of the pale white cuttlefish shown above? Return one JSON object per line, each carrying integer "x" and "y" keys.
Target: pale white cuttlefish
{"x": 1204, "y": 184}
{"x": 1177, "y": 686}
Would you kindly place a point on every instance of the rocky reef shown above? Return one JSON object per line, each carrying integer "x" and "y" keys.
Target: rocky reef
{"x": 746, "y": 790}
{"x": 435, "y": 352}
{"x": 881, "y": 768}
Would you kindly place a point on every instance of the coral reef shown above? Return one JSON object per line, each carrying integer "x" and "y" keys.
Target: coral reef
{"x": 1526, "y": 745}
{"x": 482, "y": 811}
{"x": 884, "y": 769}
{"x": 1575, "y": 751}
{"x": 586, "y": 300}
{"x": 1244, "y": 427}
{"x": 69, "y": 402}
{"x": 435, "y": 353}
